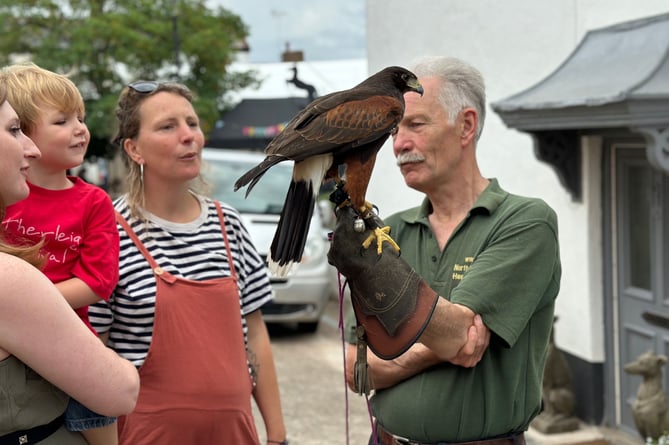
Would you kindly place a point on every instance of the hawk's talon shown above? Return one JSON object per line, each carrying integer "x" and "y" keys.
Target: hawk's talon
{"x": 368, "y": 210}
{"x": 380, "y": 234}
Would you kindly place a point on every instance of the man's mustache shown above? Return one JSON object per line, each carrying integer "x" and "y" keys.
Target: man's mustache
{"x": 409, "y": 158}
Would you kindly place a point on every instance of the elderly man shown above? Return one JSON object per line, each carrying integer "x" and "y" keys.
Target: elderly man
{"x": 483, "y": 261}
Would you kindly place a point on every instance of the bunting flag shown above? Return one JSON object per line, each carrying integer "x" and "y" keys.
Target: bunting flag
{"x": 263, "y": 132}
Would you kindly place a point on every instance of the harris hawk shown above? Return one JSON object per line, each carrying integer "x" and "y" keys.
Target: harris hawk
{"x": 342, "y": 128}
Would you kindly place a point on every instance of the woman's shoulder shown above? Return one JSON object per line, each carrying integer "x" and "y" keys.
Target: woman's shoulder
{"x": 11, "y": 264}
{"x": 229, "y": 212}
{"x": 121, "y": 205}
{"x": 17, "y": 276}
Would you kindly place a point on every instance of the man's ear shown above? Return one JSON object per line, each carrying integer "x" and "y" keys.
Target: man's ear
{"x": 469, "y": 124}
{"x": 132, "y": 150}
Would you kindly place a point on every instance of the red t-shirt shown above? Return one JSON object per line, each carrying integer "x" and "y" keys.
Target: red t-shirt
{"x": 79, "y": 228}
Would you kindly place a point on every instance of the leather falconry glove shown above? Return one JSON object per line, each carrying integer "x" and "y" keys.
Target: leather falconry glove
{"x": 390, "y": 300}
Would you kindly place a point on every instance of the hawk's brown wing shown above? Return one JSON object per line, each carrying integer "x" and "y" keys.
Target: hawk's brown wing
{"x": 319, "y": 130}
{"x": 343, "y": 128}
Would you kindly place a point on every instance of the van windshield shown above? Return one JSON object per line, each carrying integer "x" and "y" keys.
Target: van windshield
{"x": 267, "y": 196}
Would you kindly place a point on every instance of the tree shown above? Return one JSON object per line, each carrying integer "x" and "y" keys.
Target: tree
{"x": 103, "y": 44}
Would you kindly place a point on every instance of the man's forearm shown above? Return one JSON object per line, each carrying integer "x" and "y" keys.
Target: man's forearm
{"x": 446, "y": 333}
{"x": 441, "y": 339}
{"x": 386, "y": 373}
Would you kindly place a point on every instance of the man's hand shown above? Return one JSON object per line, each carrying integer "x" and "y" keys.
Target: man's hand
{"x": 478, "y": 339}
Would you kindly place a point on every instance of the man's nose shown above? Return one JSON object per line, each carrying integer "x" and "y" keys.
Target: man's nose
{"x": 400, "y": 142}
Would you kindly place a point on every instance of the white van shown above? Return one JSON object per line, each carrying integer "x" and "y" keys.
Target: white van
{"x": 301, "y": 296}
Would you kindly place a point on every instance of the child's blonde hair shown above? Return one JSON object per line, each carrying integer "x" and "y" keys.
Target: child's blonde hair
{"x": 30, "y": 88}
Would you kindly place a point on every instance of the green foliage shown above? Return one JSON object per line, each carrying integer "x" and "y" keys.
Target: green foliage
{"x": 104, "y": 44}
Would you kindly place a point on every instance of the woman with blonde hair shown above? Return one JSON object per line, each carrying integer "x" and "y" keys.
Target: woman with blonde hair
{"x": 74, "y": 220}
{"x": 47, "y": 355}
{"x": 186, "y": 309}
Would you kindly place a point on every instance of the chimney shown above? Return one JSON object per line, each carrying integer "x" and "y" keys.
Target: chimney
{"x": 291, "y": 56}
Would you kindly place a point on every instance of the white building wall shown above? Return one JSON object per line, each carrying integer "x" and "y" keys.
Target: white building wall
{"x": 515, "y": 44}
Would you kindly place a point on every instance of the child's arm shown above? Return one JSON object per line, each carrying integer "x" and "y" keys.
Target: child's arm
{"x": 77, "y": 293}
{"x": 95, "y": 274}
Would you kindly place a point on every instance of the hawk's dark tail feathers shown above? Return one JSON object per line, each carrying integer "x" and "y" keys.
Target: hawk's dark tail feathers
{"x": 291, "y": 233}
{"x": 252, "y": 176}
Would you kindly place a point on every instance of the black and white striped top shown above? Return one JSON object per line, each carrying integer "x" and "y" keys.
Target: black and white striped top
{"x": 196, "y": 251}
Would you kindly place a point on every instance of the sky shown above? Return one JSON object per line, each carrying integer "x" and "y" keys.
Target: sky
{"x": 322, "y": 29}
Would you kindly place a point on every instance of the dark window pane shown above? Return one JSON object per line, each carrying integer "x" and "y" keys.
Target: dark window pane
{"x": 638, "y": 195}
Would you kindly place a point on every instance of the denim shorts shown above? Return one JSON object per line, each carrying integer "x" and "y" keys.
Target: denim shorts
{"x": 80, "y": 418}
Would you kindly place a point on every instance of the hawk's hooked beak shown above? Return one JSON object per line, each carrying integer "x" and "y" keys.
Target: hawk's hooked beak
{"x": 415, "y": 85}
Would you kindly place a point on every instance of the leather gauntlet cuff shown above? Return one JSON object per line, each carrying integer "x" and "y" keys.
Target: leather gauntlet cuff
{"x": 390, "y": 300}
{"x": 391, "y": 329}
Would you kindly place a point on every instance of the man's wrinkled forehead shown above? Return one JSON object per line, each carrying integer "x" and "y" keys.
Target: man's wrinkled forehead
{"x": 429, "y": 98}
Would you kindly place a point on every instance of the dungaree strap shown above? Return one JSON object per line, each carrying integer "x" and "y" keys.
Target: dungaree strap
{"x": 225, "y": 237}
{"x": 135, "y": 239}
{"x": 152, "y": 262}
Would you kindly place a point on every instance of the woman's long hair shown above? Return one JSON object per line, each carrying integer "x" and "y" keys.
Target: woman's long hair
{"x": 30, "y": 254}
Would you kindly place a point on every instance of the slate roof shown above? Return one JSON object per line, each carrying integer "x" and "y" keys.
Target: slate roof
{"x": 616, "y": 76}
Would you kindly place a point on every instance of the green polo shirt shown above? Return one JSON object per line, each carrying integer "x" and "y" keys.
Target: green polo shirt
{"x": 502, "y": 262}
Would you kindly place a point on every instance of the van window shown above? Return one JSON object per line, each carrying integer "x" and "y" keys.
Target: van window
{"x": 267, "y": 196}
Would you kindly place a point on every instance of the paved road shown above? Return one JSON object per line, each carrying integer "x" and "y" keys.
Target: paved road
{"x": 311, "y": 379}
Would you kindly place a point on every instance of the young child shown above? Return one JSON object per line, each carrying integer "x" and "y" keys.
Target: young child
{"x": 75, "y": 219}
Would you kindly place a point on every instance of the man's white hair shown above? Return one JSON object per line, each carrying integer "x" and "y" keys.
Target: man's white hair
{"x": 462, "y": 85}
